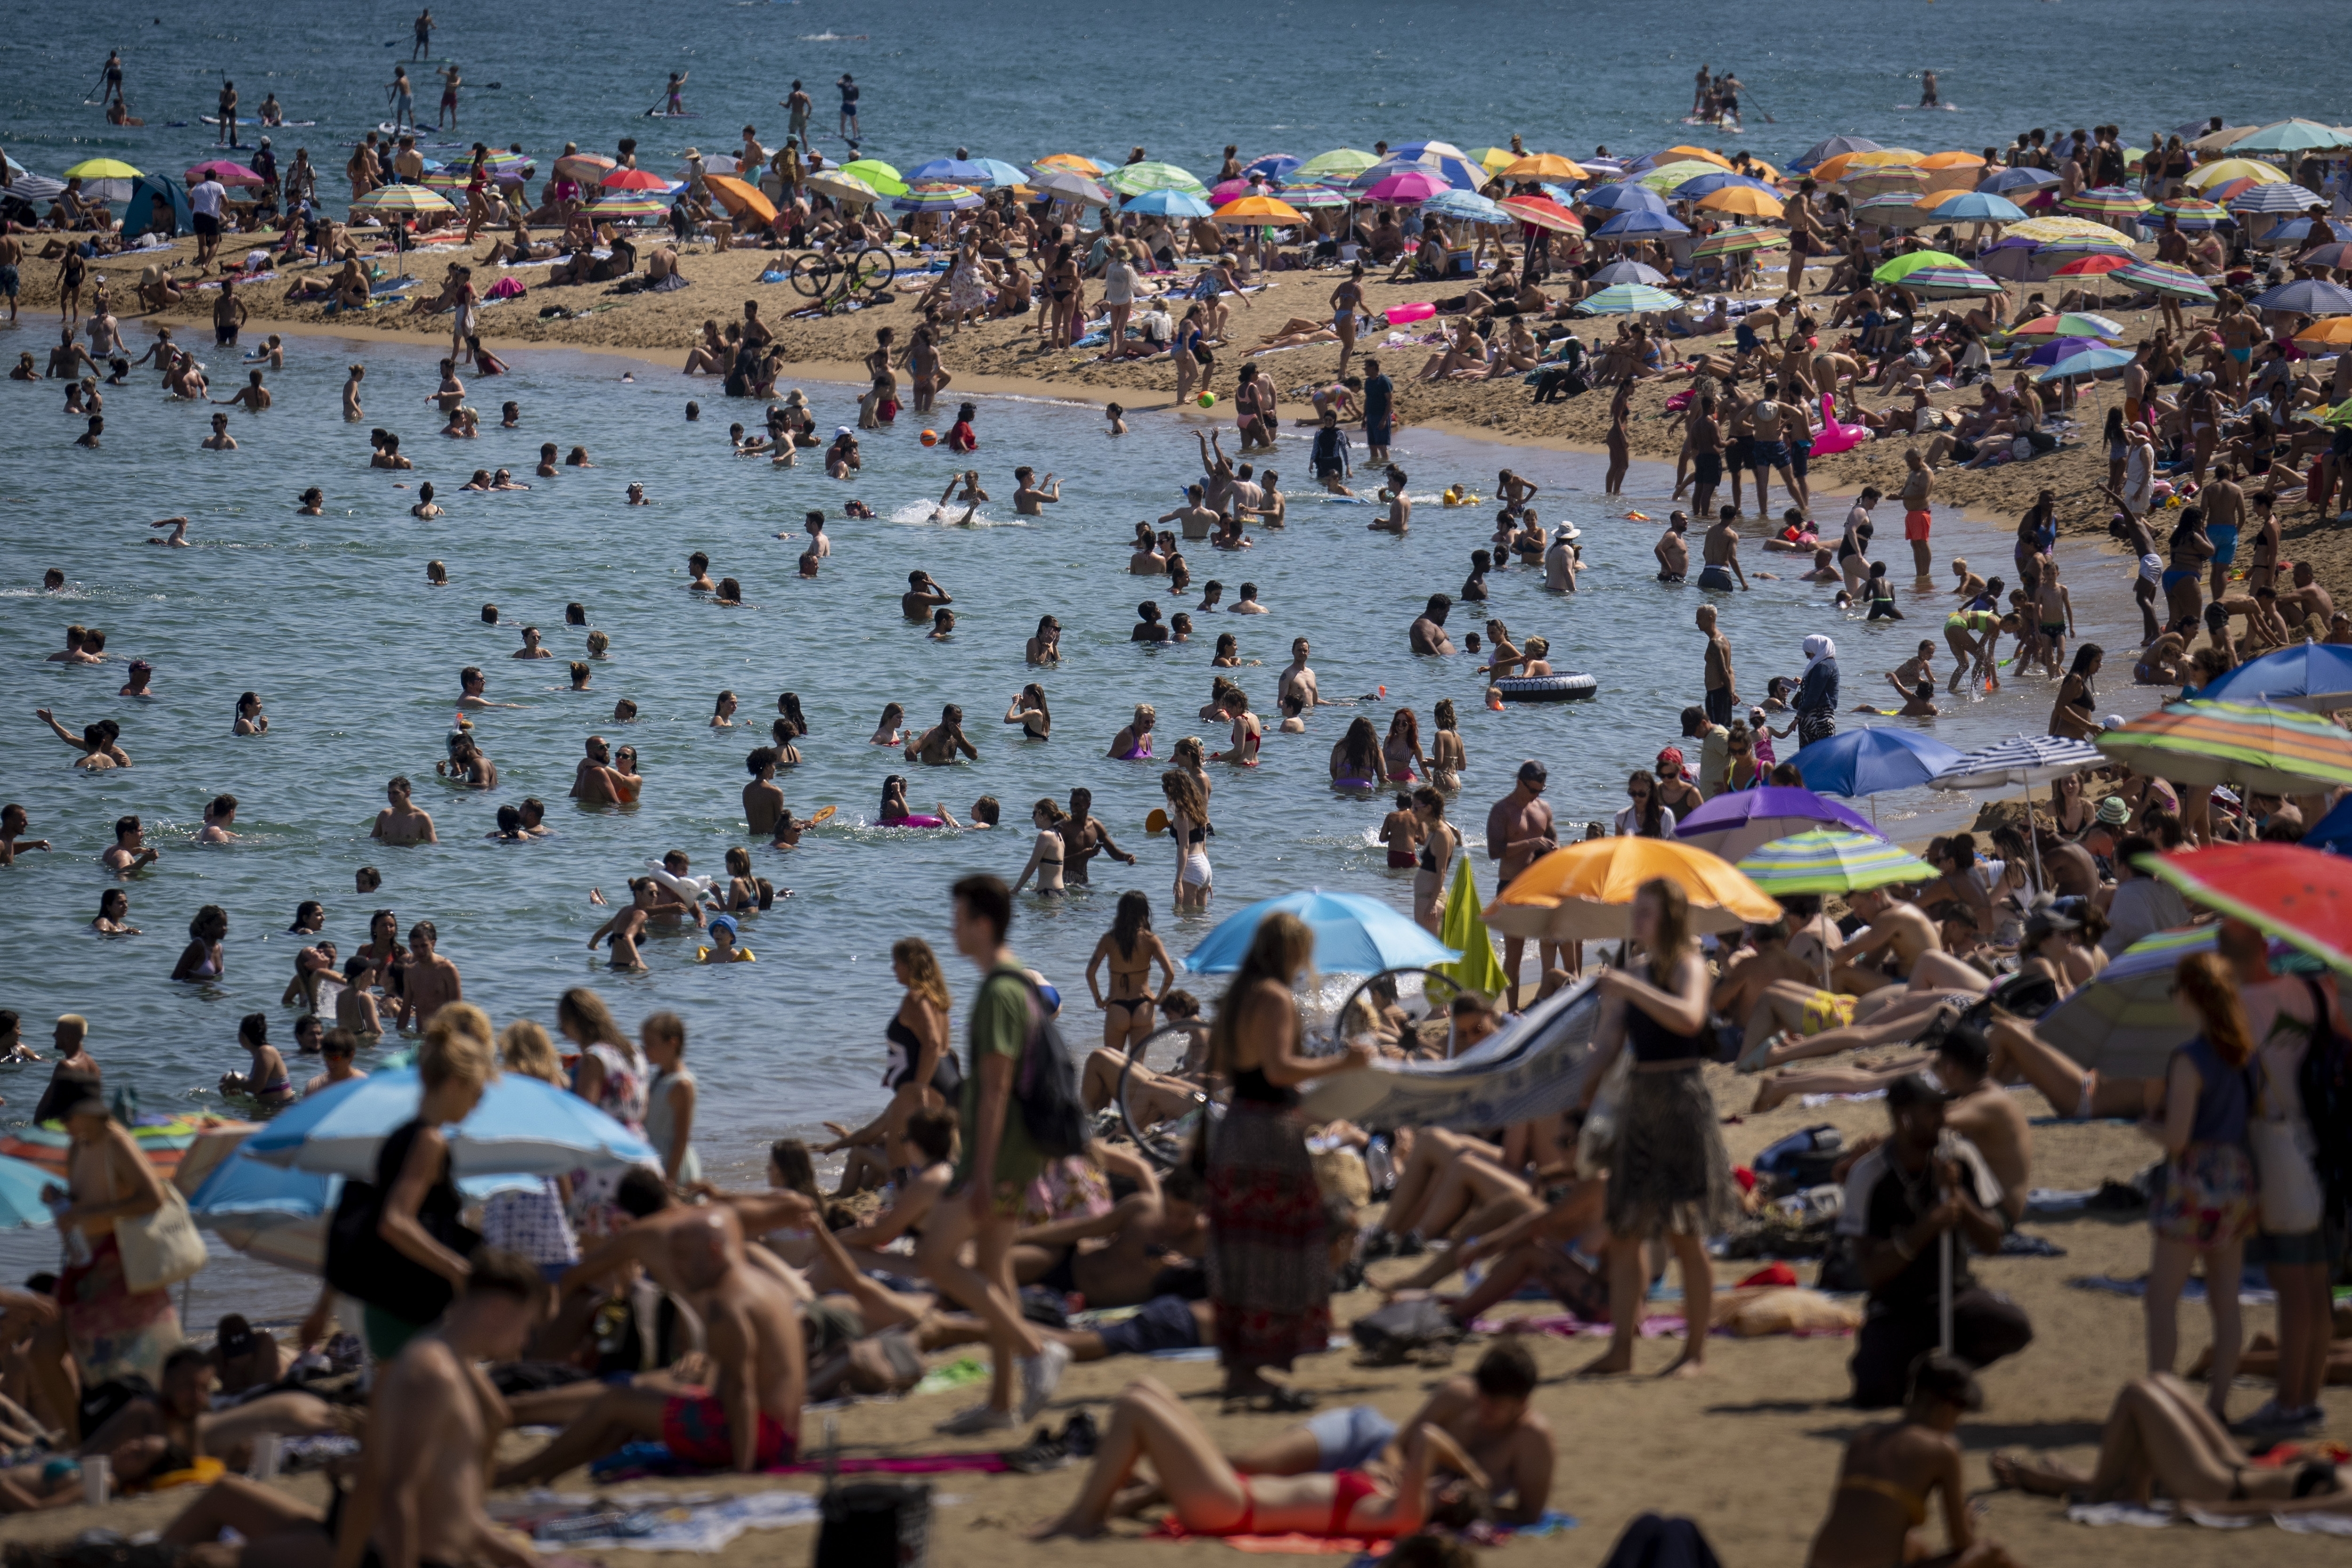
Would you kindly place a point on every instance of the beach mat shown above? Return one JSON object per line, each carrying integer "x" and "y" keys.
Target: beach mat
{"x": 636, "y": 1459}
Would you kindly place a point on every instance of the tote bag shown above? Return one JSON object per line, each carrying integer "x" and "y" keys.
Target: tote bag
{"x": 161, "y": 1248}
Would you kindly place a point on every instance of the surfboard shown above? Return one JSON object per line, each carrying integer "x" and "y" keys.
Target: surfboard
{"x": 664, "y": 114}
{"x": 257, "y": 125}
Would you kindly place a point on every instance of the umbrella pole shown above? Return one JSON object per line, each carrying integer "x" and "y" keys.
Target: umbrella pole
{"x": 2033, "y": 839}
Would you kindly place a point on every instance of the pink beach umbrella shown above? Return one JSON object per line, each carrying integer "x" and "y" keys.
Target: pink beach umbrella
{"x": 1410, "y": 188}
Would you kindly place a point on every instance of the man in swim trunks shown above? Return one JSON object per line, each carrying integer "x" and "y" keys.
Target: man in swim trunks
{"x": 2225, "y": 510}
{"x": 938, "y": 746}
{"x": 751, "y": 1420}
{"x": 1918, "y": 492}
{"x": 1518, "y": 832}
{"x": 425, "y": 26}
{"x": 849, "y": 91}
{"x": 1720, "y": 551}
{"x": 1672, "y": 550}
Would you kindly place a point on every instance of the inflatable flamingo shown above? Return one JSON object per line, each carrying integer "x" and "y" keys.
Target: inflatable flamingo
{"x": 1836, "y": 437}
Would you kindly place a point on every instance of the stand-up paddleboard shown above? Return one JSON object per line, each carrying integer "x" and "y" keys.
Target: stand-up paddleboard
{"x": 257, "y": 125}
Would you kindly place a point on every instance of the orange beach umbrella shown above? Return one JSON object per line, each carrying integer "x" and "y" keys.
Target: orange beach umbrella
{"x": 1585, "y": 891}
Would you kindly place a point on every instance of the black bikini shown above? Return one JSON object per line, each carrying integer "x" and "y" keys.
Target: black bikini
{"x": 906, "y": 1050}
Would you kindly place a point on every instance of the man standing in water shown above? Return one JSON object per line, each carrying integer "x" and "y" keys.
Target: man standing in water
{"x": 1722, "y": 694}
{"x": 401, "y": 821}
{"x": 1427, "y": 633}
{"x": 1518, "y": 832}
{"x": 998, "y": 1164}
{"x": 849, "y": 134}
{"x": 1918, "y": 492}
{"x": 796, "y": 108}
{"x": 1297, "y": 681}
{"x": 763, "y": 803}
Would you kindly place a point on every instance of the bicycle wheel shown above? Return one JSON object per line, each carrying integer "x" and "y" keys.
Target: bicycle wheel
{"x": 1161, "y": 1130}
{"x": 873, "y": 268}
{"x": 812, "y": 275}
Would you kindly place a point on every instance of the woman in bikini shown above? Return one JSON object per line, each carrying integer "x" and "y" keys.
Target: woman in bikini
{"x": 1188, "y": 823}
{"x": 1447, "y": 756}
{"x": 1401, "y": 832}
{"x": 1356, "y": 758}
{"x": 1133, "y": 743}
{"x": 1045, "y": 855}
{"x": 1249, "y": 732}
{"x": 1208, "y": 1496}
{"x": 1892, "y": 1471}
{"x": 1347, "y": 299}
{"x": 1028, "y": 710}
{"x": 1401, "y": 750}
{"x": 266, "y": 1079}
{"x": 922, "y": 1072}
{"x": 1440, "y": 841}
{"x": 201, "y": 959}
{"x": 1130, "y": 947}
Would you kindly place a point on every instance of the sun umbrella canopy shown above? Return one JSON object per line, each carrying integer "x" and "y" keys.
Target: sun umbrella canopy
{"x": 2189, "y": 212}
{"x": 1069, "y": 185}
{"x": 1409, "y": 187}
{"x": 103, "y": 169}
{"x": 1070, "y": 161}
{"x": 1134, "y": 179}
{"x": 1353, "y": 936}
{"x": 2278, "y": 198}
{"x": 1949, "y": 282}
{"x": 2089, "y": 362}
{"x": 1169, "y": 203}
{"x": 1309, "y": 197}
{"x": 1272, "y": 165}
{"x": 2163, "y": 278}
{"x": 636, "y": 180}
{"x": 2107, "y": 199}
{"x": 1622, "y": 198}
{"x": 584, "y": 166}
{"x": 1832, "y": 860}
{"x": 1897, "y": 209}
{"x": 403, "y": 199}
{"x": 2252, "y": 745}
{"x": 1543, "y": 166}
{"x": 1886, "y": 182}
{"x": 21, "y": 1185}
{"x": 2291, "y": 136}
{"x": 522, "y": 1126}
{"x": 1683, "y": 151}
{"x": 2020, "y": 760}
{"x": 1628, "y": 272}
{"x": 1628, "y": 224}
{"x": 1627, "y": 300}
{"x": 1667, "y": 176}
{"x": 2072, "y": 324}
{"x": 2001, "y": 181}
{"x": 2125, "y": 1022}
{"x": 739, "y": 197}
{"x": 938, "y": 199}
{"x": 1715, "y": 180}
{"x": 844, "y": 186}
{"x": 1973, "y": 207}
{"x": 2314, "y": 677}
{"x": 2058, "y": 349}
{"x": 1954, "y": 159}
{"x": 629, "y": 204}
{"x": 1544, "y": 213}
{"x": 280, "y": 1216}
{"x": 1258, "y": 210}
{"x": 1427, "y": 149}
{"x": 2042, "y": 230}
{"x": 1341, "y": 163}
{"x": 2335, "y": 330}
{"x": 2305, "y": 296}
{"x": 1586, "y": 890}
{"x": 1870, "y": 760}
{"x": 2094, "y": 266}
{"x": 1744, "y": 201}
{"x": 1820, "y": 152}
{"x": 1732, "y": 241}
{"x": 226, "y": 172}
{"x": 1902, "y": 266}
{"x": 2282, "y": 889}
{"x": 1738, "y": 822}
{"x": 2205, "y": 176}
{"x": 949, "y": 171}
{"x": 1464, "y": 206}
{"x": 2068, "y": 245}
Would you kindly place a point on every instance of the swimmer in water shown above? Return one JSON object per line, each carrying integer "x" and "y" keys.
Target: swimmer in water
{"x": 424, "y": 510}
{"x": 922, "y": 596}
{"x": 220, "y": 440}
{"x": 177, "y": 538}
{"x": 940, "y": 745}
{"x": 628, "y": 925}
{"x": 1133, "y": 743}
{"x": 697, "y": 566}
{"x": 722, "y": 716}
{"x": 250, "y": 720}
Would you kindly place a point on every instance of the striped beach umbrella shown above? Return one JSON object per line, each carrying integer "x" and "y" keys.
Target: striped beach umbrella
{"x": 1543, "y": 212}
{"x": 2189, "y": 212}
{"x": 2125, "y": 1022}
{"x": 1494, "y": 160}
{"x": 1948, "y": 282}
{"x": 1409, "y": 187}
{"x": 2163, "y": 278}
{"x": 2275, "y": 199}
{"x": 1667, "y": 176}
{"x": 2107, "y": 199}
{"x": 1310, "y": 197}
{"x": 2107, "y": 242}
{"x": 628, "y": 205}
{"x": 2292, "y": 136}
{"x": 2254, "y": 746}
{"x": 1743, "y": 201}
{"x": 2072, "y": 324}
{"x": 1340, "y": 163}
{"x": 1867, "y": 182}
{"x": 403, "y": 199}
{"x": 1902, "y": 266}
{"x": 1069, "y": 161}
{"x": 1464, "y": 206}
{"x": 2303, "y": 896}
{"x": 584, "y": 166}
{"x": 1623, "y": 197}
{"x": 1736, "y": 241}
{"x": 937, "y": 199}
{"x": 1738, "y": 822}
{"x": 843, "y": 186}
{"x": 1832, "y": 860}
{"x": 1897, "y": 209}
{"x": 1627, "y": 300}
{"x": 2314, "y": 677}
{"x": 2205, "y": 176}
{"x": 1720, "y": 179}
{"x": 2021, "y": 761}
{"x": 1135, "y": 179}
{"x": 2058, "y": 226}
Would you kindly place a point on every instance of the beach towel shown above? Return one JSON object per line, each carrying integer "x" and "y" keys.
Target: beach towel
{"x": 576, "y": 1524}
{"x": 1294, "y": 1544}
{"x": 634, "y": 1459}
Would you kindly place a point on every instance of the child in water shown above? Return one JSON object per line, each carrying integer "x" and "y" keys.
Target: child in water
{"x": 723, "y": 948}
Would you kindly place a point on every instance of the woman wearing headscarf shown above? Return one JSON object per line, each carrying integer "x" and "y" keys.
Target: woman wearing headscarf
{"x": 1817, "y": 694}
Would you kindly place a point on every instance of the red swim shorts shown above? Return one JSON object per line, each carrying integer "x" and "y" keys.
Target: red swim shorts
{"x": 694, "y": 1428}
{"x": 1915, "y": 524}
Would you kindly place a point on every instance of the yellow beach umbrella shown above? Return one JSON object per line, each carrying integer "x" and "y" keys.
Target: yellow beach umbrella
{"x": 1829, "y": 171}
{"x": 1744, "y": 200}
{"x": 1703, "y": 152}
{"x": 103, "y": 169}
{"x": 2058, "y": 225}
{"x": 2207, "y": 175}
{"x": 1071, "y": 160}
{"x": 1586, "y": 892}
{"x": 1258, "y": 209}
{"x": 2333, "y": 330}
{"x": 403, "y": 199}
{"x": 1952, "y": 160}
{"x": 1494, "y": 160}
{"x": 1544, "y": 166}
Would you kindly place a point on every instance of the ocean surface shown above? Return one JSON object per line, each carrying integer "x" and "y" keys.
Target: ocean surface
{"x": 331, "y": 619}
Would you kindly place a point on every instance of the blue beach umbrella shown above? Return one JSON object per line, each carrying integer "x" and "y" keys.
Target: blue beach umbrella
{"x": 1622, "y": 197}
{"x": 2309, "y": 296}
{"x": 1168, "y": 204}
{"x": 2057, "y": 349}
{"x": 277, "y": 1216}
{"x": 1977, "y": 206}
{"x": 1867, "y": 760}
{"x": 1836, "y": 146}
{"x": 1275, "y": 167}
{"x": 948, "y": 171}
{"x": 1353, "y": 936}
{"x": 1002, "y": 173}
{"x": 1691, "y": 190}
{"x": 2313, "y": 676}
{"x": 2281, "y": 197}
{"x": 522, "y": 1125}
{"x": 2087, "y": 362}
{"x": 1464, "y": 206}
{"x": 2001, "y": 181}
{"x": 1639, "y": 222}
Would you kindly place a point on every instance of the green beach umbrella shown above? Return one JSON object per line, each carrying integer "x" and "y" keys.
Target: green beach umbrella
{"x": 1339, "y": 164}
{"x": 2291, "y": 136}
{"x": 1627, "y": 300}
{"x": 1731, "y": 241}
{"x": 1948, "y": 282}
{"x": 878, "y": 174}
{"x": 1902, "y": 266}
{"x": 1832, "y": 860}
{"x": 1135, "y": 179}
{"x": 1667, "y": 176}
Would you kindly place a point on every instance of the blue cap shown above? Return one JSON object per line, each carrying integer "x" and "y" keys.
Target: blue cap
{"x": 727, "y": 923}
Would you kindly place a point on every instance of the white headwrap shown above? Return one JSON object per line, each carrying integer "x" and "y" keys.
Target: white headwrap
{"x": 1817, "y": 649}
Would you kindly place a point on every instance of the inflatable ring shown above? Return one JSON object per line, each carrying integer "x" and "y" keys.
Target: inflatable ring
{"x": 689, "y": 891}
{"x": 1573, "y": 687}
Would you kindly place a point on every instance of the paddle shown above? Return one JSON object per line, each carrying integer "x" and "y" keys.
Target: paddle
{"x": 1157, "y": 822}
{"x": 824, "y": 814}
{"x": 1760, "y": 109}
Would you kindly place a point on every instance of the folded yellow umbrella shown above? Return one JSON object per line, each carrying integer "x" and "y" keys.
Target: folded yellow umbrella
{"x": 1586, "y": 890}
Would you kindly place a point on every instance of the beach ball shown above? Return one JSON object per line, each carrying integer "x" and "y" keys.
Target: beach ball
{"x": 930, "y": 438}
{"x": 1207, "y": 400}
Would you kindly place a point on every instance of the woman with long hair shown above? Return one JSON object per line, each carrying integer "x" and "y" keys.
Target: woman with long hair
{"x": 1192, "y": 760}
{"x": 1356, "y": 757}
{"x": 2075, "y": 715}
{"x": 1029, "y": 711}
{"x": 1440, "y": 842}
{"x": 1188, "y": 824}
{"x": 1049, "y": 850}
{"x": 1447, "y": 756}
{"x": 921, "y": 1072}
{"x": 1269, "y": 1260}
{"x": 532, "y": 1221}
{"x": 2206, "y": 1209}
{"x": 1668, "y": 1174}
{"x": 201, "y": 960}
{"x": 1401, "y": 752}
{"x": 1130, "y": 947}
{"x": 1648, "y": 816}
{"x": 610, "y": 1075}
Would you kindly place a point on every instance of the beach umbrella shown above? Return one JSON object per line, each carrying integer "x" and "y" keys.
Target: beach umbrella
{"x": 2189, "y": 212}
{"x": 1494, "y": 160}
{"x": 2275, "y": 199}
{"x": 1543, "y": 212}
{"x": 2123, "y": 1022}
{"x": 1743, "y": 201}
{"x": 2333, "y": 831}
{"x": 1069, "y": 185}
{"x": 1408, "y": 188}
{"x": 1715, "y": 180}
{"x": 2314, "y": 677}
{"x": 1543, "y": 166}
{"x": 1258, "y": 210}
{"x": 1353, "y": 936}
{"x": 1070, "y": 161}
{"x": 2022, "y": 762}
{"x": 1341, "y": 163}
{"x": 1426, "y": 149}
{"x": 2058, "y": 349}
{"x": 2107, "y": 242}
{"x": 1461, "y": 928}
{"x": 1954, "y": 159}
{"x": 2107, "y": 199}
{"x": 2283, "y": 235}
{"x": 1948, "y": 282}
{"x": 2292, "y": 136}
{"x": 999, "y": 175}
{"x": 2093, "y": 265}
{"x": 1135, "y": 179}
{"x": 938, "y": 199}
{"x": 1902, "y": 266}
{"x": 2012, "y": 261}
{"x": 1272, "y": 165}
{"x": 1738, "y": 821}
{"x": 1622, "y": 198}
{"x": 2087, "y": 362}
{"x": 277, "y": 1215}
{"x": 522, "y": 1126}
{"x": 637, "y": 180}
{"x": 1464, "y": 206}
{"x": 1871, "y": 760}
{"x": 2072, "y": 324}
{"x": 103, "y": 169}
{"x": 21, "y": 1185}
{"x": 2253, "y": 745}
{"x": 1685, "y": 151}
{"x": 2048, "y": 227}
{"x": 584, "y": 166}
{"x": 2305, "y": 296}
{"x": 2162, "y": 278}
{"x": 1313, "y": 197}
{"x": 1230, "y": 191}
{"x": 1897, "y": 209}
{"x": 949, "y": 171}
{"x": 2284, "y": 890}
{"x": 1627, "y": 300}
{"x": 2001, "y": 182}
{"x": 1585, "y": 891}
{"x": 1627, "y": 224}
{"x": 1667, "y": 176}
{"x": 2204, "y": 141}
{"x": 628, "y": 205}
{"x": 1627, "y": 272}
{"x": 1169, "y": 203}
{"x": 2205, "y": 176}
{"x": 739, "y": 197}
{"x": 1461, "y": 174}
{"x": 1735, "y": 241}
{"x": 1972, "y": 206}
{"x": 1820, "y": 152}
{"x": 169, "y": 1145}
{"x": 1830, "y": 171}
{"x": 843, "y": 186}
{"x": 1904, "y": 181}
{"x": 226, "y": 172}
{"x": 1832, "y": 860}
{"x": 885, "y": 179}
{"x": 2337, "y": 331}
{"x": 403, "y": 199}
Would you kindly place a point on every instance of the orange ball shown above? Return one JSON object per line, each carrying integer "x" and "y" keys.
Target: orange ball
{"x": 930, "y": 438}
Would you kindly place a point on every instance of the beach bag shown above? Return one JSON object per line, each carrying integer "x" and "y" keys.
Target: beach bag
{"x": 1046, "y": 1085}
{"x": 1596, "y": 1140}
{"x": 161, "y": 1248}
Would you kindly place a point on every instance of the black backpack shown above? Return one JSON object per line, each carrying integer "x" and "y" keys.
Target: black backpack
{"x": 1046, "y": 1085}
